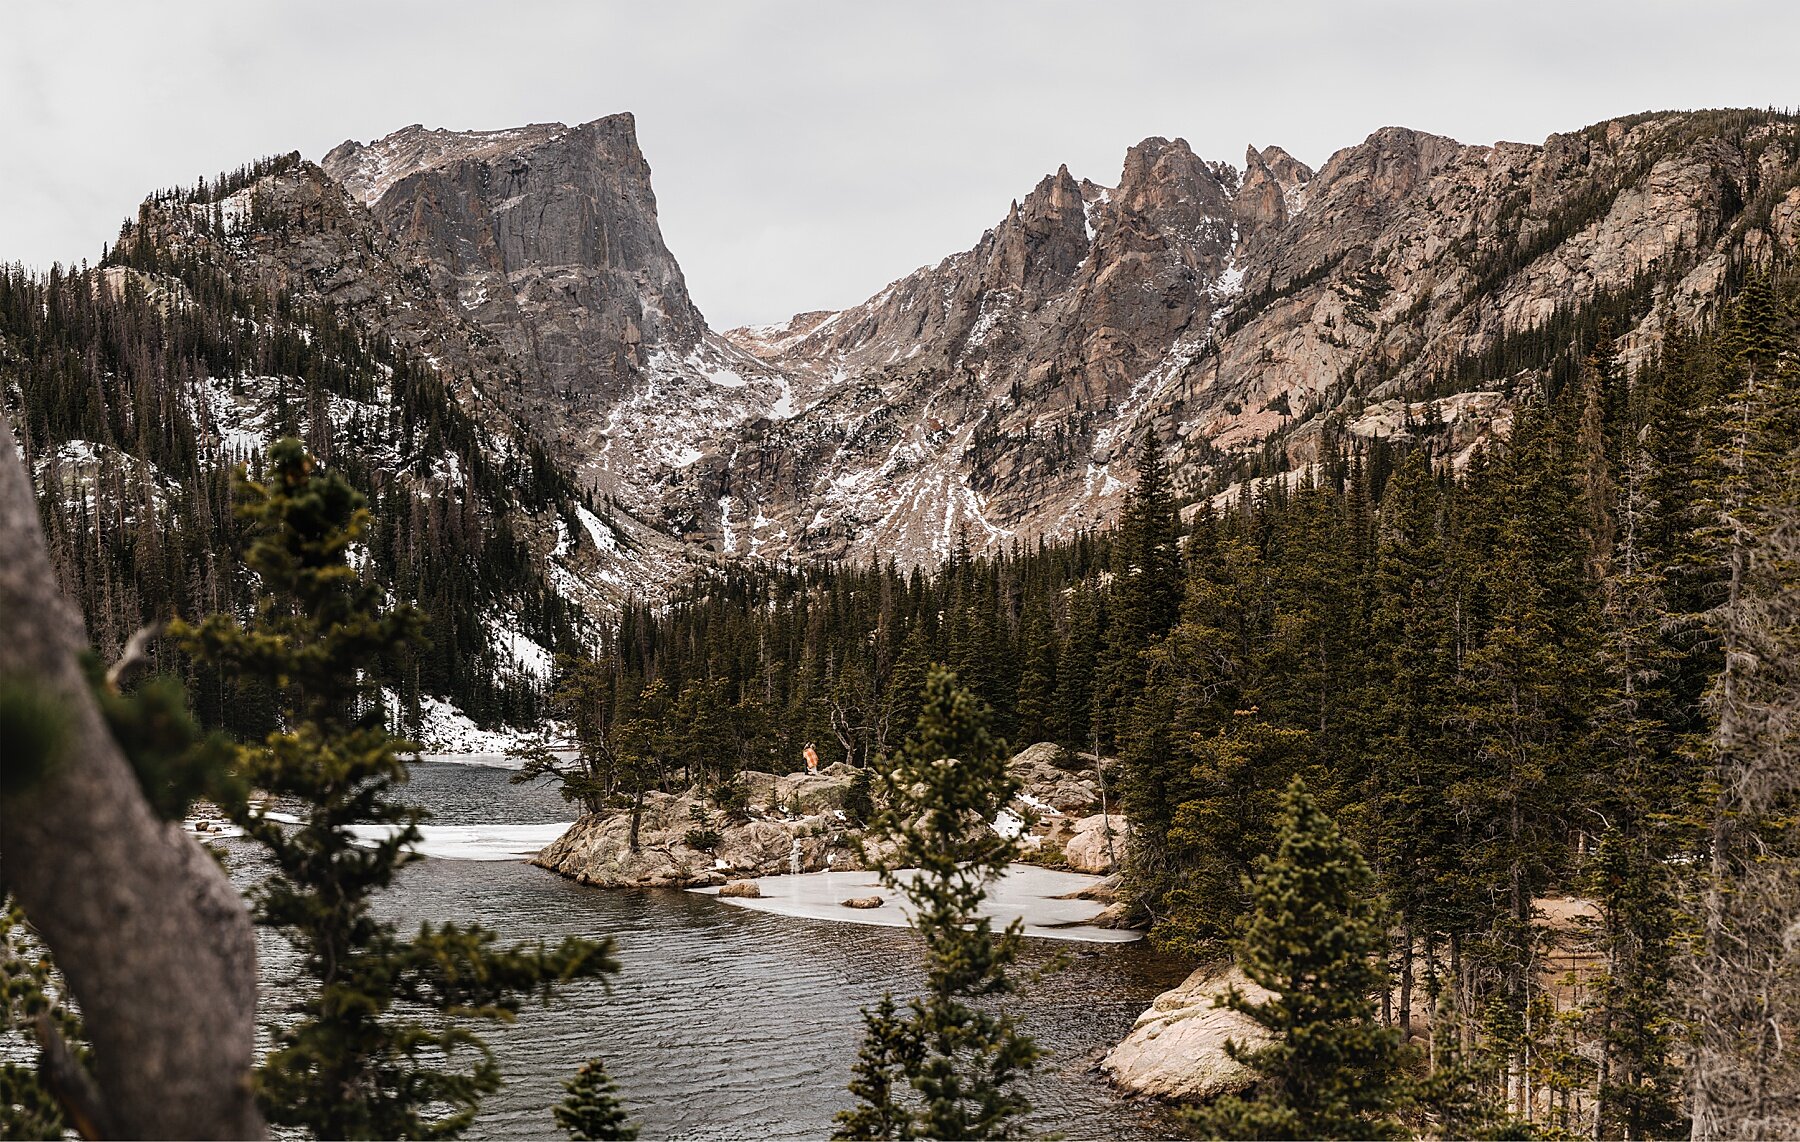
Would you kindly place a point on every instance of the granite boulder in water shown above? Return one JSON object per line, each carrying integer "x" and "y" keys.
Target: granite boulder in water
{"x": 1176, "y": 1050}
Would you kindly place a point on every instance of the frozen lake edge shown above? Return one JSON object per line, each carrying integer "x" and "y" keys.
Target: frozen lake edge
{"x": 1026, "y": 892}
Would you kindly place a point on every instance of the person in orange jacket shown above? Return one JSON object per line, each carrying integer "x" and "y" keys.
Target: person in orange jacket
{"x": 812, "y": 758}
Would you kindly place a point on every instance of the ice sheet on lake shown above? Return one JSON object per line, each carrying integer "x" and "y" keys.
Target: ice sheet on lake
{"x": 1025, "y": 891}
{"x": 447, "y": 842}
{"x": 476, "y": 842}
{"x": 491, "y": 760}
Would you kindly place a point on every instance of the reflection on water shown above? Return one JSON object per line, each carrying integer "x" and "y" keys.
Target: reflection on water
{"x": 728, "y": 1023}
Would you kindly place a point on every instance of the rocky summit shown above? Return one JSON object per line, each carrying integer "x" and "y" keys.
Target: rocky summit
{"x": 1253, "y": 318}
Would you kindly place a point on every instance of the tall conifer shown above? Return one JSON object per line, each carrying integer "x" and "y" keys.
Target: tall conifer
{"x": 380, "y": 1045}
{"x": 1329, "y": 1070}
{"x": 946, "y": 1068}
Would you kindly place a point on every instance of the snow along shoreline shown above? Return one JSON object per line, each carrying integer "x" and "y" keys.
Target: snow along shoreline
{"x": 1041, "y": 897}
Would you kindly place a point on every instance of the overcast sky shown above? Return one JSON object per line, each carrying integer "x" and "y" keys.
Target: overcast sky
{"x": 806, "y": 153}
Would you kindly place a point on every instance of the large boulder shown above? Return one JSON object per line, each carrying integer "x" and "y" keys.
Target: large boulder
{"x": 1176, "y": 1050}
{"x": 755, "y": 848}
{"x": 1097, "y": 844}
{"x": 1054, "y": 781}
{"x": 597, "y": 850}
{"x": 759, "y": 787}
{"x": 813, "y": 793}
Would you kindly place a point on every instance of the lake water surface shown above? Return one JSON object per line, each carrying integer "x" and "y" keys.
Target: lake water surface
{"x": 731, "y": 1023}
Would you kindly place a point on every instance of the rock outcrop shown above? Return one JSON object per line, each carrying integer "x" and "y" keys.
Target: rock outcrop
{"x": 1243, "y": 314}
{"x": 545, "y": 239}
{"x": 796, "y": 823}
{"x": 1255, "y": 316}
{"x": 1097, "y": 843}
{"x": 1176, "y": 1050}
{"x": 683, "y": 842}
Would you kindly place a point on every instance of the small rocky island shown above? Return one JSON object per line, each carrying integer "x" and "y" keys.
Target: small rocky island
{"x": 798, "y": 823}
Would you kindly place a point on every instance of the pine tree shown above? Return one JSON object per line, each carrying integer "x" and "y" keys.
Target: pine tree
{"x": 1146, "y": 588}
{"x": 31, "y": 1009}
{"x": 1036, "y": 705}
{"x": 1640, "y": 784}
{"x": 1330, "y": 1070}
{"x": 379, "y": 1043}
{"x": 946, "y": 1068}
{"x": 1745, "y": 1080}
{"x": 592, "y": 1111}
{"x": 1077, "y": 667}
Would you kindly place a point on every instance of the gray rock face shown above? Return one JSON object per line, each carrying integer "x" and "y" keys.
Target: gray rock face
{"x": 545, "y": 237}
{"x": 596, "y": 849}
{"x": 1000, "y": 394}
{"x": 544, "y": 240}
{"x": 1231, "y": 313}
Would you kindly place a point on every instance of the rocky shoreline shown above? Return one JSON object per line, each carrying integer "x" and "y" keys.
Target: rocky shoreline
{"x": 797, "y": 823}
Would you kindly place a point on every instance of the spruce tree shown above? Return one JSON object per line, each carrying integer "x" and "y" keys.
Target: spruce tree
{"x": 1744, "y": 1078}
{"x": 380, "y": 1045}
{"x": 1146, "y": 587}
{"x": 592, "y": 1111}
{"x": 946, "y": 1068}
{"x": 1036, "y": 704}
{"x": 1330, "y": 1070}
{"x": 1641, "y": 782}
{"x": 32, "y": 1011}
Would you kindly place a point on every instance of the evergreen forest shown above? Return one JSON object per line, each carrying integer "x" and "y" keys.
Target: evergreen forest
{"x": 1565, "y": 669}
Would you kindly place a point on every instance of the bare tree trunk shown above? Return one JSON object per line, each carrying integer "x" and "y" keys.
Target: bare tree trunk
{"x": 155, "y": 943}
{"x": 1406, "y": 978}
{"x": 637, "y": 812}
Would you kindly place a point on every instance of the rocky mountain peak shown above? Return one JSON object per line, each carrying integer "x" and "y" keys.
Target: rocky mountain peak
{"x": 546, "y": 238}
{"x": 999, "y": 392}
{"x": 1043, "y": 240}
{"x": 1273, "y": 189}
{"x": 1164, "y": 180}
{"x": 1386, "y": 167}
{"x": 368, "y": 170}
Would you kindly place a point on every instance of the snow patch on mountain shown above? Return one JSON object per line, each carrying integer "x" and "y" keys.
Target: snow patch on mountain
{"x": 523, "y": 655}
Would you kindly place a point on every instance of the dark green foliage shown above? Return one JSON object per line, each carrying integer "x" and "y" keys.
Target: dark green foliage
{"x": 947, "y": 1068}
{"x": 756, "y": 662}
{"x": 702, "y": 840}
{"x": 1204, "y": 830}
{"x": 380, "y": 1046}
{"x": 31, "y": 732}
{"x": 31, "y": 991}
{"x": 593, "y": 1110}
{"x": 859, "y": 798}
{"x": 175, "y": 761}
{"x": 1741, "y": 1078}
{"x": 1330, "y": 1070}
{"x": 1146, "y": 588}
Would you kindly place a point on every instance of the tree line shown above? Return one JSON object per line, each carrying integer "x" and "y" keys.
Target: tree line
{"x": 1562, "y": 668}
{"x": 124, "y": 380}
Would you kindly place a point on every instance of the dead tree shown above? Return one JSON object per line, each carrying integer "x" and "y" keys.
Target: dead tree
{"x": 155, "y": 943}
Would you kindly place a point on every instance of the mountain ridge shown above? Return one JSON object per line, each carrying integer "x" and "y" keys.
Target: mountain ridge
{"x": 1256, "y": 319}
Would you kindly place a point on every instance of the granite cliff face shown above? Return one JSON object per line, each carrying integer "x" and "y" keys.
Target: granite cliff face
{"x": 545, "y": 240}
{"x": 1250, "y": 318}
